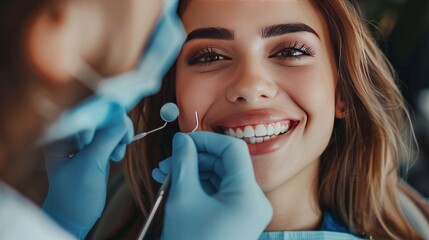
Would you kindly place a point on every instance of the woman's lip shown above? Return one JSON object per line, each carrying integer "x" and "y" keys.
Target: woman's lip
{"x": 250, "y": 118}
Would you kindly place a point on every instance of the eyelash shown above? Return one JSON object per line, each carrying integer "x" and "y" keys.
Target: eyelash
{"x": 293, "y": 50}
{"x": 210, "y": 55}
{"x": 205, "y": 56}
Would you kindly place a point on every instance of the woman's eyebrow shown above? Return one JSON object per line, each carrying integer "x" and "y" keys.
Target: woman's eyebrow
{"x": 285, "y": 28}
{"x": 210, "y": 33}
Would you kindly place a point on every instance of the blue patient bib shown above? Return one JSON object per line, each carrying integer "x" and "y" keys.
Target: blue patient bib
{"x": 307, "y": 235}
{"x": 329, "y": 230}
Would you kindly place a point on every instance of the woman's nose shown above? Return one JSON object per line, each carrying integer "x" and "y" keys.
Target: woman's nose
{"x": 251, "y": 85}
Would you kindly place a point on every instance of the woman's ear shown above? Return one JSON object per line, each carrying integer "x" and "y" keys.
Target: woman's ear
{"x": 340, "y": 108}
{"x": 49, "y": 43}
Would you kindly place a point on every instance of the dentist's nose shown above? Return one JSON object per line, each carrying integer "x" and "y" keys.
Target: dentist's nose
{"x": 252, "y": 85}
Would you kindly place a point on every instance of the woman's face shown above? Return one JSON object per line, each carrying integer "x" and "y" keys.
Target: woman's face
{"x": 262, "y": 71}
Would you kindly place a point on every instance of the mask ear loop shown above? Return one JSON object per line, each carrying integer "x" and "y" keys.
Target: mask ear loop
{"x": 47, "y": 108}
{"x": 85, "y": 74}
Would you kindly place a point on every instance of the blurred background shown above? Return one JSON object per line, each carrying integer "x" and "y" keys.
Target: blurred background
{"x": 401, "y": 28}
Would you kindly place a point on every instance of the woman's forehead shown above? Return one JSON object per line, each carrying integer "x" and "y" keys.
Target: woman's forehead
{"x": 251, "y": 15}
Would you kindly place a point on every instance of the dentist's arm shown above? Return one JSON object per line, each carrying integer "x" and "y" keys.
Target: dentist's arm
{"x": 78, "y": 185}
{"x": 234, "y": 207}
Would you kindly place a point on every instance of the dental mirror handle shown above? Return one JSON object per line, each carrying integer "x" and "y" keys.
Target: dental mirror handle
{"x": 161, "y": 194}
{"x": 162, "y": 190}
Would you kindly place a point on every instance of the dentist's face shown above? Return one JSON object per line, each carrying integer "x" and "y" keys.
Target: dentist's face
{"x": 130, "y": 24}
{"x": 262, "y": 71}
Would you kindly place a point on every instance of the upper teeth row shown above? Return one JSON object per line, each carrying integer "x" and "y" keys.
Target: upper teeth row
{"x": 259, "y": 130}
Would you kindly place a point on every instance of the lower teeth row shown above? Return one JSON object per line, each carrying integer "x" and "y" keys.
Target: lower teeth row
{"x": 259, "y": 139}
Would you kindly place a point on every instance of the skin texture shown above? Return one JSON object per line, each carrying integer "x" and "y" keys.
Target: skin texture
{"x": 246, "y": 80}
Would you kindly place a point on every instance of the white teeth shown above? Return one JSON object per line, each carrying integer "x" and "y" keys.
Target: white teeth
{"x": 231, "y": 132}
{"x": 249, "y": 131}
{"x": 239, "y": 133}
{"x": 270, "y": 129}
{"x": 260, "y": 130}
{"x": 259, "y": 133}
{"x": 286, "y": 128}
{"x": 277, "y": 128}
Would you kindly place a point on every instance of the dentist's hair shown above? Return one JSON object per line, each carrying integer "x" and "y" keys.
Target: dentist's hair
{"x": 358, "y": 180}
{"x": 17, "y": 86}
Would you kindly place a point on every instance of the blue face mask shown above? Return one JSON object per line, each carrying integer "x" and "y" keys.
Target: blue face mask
{"x": 124, "y": 90}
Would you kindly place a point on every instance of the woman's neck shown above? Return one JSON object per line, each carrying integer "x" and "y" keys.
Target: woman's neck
{"x": 295, "y": 202}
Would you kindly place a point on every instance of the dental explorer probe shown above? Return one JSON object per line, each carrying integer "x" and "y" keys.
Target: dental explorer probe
{"x": 162, "y": 191}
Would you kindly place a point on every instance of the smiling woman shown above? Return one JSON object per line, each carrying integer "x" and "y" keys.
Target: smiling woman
{"x": 304, "y": 85}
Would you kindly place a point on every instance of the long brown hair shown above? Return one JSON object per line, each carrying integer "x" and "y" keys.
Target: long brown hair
{"x": 143, "y": 156}
{"x": 359, "y": 169}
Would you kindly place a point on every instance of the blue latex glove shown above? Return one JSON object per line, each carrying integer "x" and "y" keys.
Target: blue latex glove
{"x": 78, "y": 185}
{"x": 234, "y": 208}
{"x": 209, "y": 180}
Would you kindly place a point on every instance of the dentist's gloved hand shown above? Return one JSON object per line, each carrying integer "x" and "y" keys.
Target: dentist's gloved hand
{"x": 236, "y": 209}
{"x": 209, "y": 180}
{"x": 78, "y": 184}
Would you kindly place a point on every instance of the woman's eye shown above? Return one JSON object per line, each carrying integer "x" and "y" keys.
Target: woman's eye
{"x": 293, "y": 51}
{"x": 206, "y": 56}
{"x": 211, "y": 58}
{"x": 288, "y": 53}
